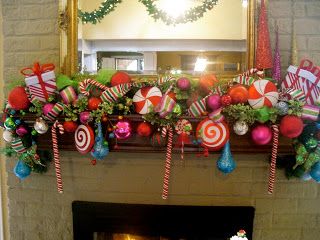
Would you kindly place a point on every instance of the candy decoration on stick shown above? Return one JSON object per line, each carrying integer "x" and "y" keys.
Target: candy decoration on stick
{"x": 213, "y": 135}
{"x": 166, "y": 178}
{"x": 145, "y": 98}
{"x": 84, "y": 138}
{"x": 85, "y": 85}
{"x": 272, "y": 172}
{"x": 263, "y": 93}
{"x": 56, "y": 156}
{"x": 183, "y": 128}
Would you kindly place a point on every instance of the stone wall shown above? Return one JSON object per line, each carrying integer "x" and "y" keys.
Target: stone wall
{"x": 37, "y": 211}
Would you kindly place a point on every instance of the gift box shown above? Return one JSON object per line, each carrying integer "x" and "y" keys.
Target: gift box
{"x": 41, "y": 81}
{"x": 305, "y": 77}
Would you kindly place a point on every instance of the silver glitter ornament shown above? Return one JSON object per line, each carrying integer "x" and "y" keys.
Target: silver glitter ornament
{"x": 240, "y": 127}
{"x": 41, "y": 126}
{"x": 283, "y": 108}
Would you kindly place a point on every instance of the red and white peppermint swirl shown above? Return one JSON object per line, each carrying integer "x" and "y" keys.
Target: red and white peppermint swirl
{"x": 84, "y": 138}
{"x": 83, "y": 86}
{"x": 56, "y": 156}
{"x": 272, "y": 172}
{"x": 166, "y": 177}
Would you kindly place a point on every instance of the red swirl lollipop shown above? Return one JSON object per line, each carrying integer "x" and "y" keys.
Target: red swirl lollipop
{"x": 84, "y": 138}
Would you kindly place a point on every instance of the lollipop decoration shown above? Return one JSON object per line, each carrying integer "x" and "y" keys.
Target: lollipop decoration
{"x": 183, "y": 129}
{"x": 84, "y": 138}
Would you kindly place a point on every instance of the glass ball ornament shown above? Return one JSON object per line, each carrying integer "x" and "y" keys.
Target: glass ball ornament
{"x": 9, "y": 124}
{"x": 22, "y": 170}
{"x": 7, "y": 136}
{"x": 283, "y": 108}
{"x": 41, "y": 126}
{"x": 240, "y": 127}
{"x": 123, "y": 129}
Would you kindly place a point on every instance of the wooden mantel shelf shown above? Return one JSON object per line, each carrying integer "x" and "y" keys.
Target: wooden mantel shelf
{"x": 239, "y": 144}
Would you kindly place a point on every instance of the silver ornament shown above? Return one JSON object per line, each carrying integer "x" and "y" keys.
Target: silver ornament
{"x": 283, "y": 108}
{"x": 41, "y": 126}
{"x": 240, "y": 127}
{"x": 7, "y": 136}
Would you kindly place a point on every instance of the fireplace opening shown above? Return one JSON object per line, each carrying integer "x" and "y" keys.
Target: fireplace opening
{"x": 117, "y": 221}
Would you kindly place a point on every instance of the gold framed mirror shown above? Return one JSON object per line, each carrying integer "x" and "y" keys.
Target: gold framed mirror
{"x": 68, "y": 22}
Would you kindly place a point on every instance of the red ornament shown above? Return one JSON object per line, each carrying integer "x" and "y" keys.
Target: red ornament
{"x": 207, "y": 82}
{"x": 238, "y": 94}
{"x": 144, "y": 129}
{"x": 183, "y": 83}
{"x": 18, "y": 99}
{"x": 263, "y": 51}
{"x": 226, "y": 100}
{"x": 93, "y": 103}
{"x": 93, "y": 162}
{"x": 291, "y": 126}
{"x": 70, "y": 126}
{"x": 120, "y": 78}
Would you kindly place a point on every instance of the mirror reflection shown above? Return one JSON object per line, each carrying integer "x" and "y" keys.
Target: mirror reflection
{"x": 131, "y": 40}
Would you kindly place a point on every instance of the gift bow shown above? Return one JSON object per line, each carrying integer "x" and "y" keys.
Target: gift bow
{"x": 38, "y": 70}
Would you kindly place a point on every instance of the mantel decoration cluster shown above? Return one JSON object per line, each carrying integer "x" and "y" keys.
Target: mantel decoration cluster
{"x": 190, "y": 15}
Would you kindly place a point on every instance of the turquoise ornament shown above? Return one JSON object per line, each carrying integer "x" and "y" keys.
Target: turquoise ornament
{"x": 315, "y": 172}
{"x": 226, "y": 163}
{"x": 21, "y": 170}
{"x": 100, "y": 148}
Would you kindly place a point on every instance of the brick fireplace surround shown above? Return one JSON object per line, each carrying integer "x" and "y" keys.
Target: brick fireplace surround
{"x": 37, "y": 211}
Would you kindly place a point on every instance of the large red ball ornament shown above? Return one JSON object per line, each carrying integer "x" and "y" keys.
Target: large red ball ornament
{"x": 144, "y": 129}
{"x": 207, "y": 82}
{"x": 291, "y": 126}
{"x": 238, "y": 94}
{"x": 120, "y": 78}
{"x": 261, "y": 135}
{"x": 18, "y": 99}
{"x": 93, "y": 103}
{"x": 70, "y": 126}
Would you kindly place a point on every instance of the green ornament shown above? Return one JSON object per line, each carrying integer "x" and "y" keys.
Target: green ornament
{"x": 9, "y": 124}
{"x": 301, "y": 149}
{"x": 34, "y": 132}
{"x": 300, "y": 159}
{"x": 311, "y": 160}
{"x": 311, "y": 144}
{"x": 177, "y": 109}
{"x": 263, "y": 114}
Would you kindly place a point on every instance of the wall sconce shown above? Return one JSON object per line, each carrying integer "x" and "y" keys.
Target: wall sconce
{"x": 201, "y": 64}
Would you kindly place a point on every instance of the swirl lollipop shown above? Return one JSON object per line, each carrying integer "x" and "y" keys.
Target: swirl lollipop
{"x": 84, "y": 138}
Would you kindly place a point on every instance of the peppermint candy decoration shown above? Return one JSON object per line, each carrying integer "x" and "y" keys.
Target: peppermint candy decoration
{"x": 213, "y": 135}
{"x": 183, "y": 126}
{"x": 84, "y": 138}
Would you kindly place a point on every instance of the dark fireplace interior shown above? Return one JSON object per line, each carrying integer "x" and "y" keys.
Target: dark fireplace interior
{"x": 114, "y": 221}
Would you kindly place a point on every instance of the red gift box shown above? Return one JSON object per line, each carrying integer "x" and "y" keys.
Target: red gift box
{"x": 40, "y": 80}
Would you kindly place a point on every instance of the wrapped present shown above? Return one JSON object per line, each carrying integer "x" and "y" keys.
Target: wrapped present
{"x": 310, "y": 112}
{"x": 40, "y": 80}
{"x": 305, "y": 77}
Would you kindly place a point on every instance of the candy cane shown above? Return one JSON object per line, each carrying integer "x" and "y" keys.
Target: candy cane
{"x": 56, "y": 153}
{"x": 272, "y": 172}
{"x": 252, "y": 71}
{"x": 87, "y": 82}
{"x": 167, "y": 164}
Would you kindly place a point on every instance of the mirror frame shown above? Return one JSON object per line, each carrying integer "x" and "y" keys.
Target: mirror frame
{"x": 68, "y": 23}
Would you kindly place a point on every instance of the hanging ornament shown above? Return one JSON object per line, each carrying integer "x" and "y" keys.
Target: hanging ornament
{"x": 157, "y": 140}
{"x": 276, "y": 71}
{"x": 214, "y": 102}
{"x": 47, "y": 108}
{"x": 177, "y": 109}
{"x": 263, "y": 93}
{"x": 100, "y": 148}
{"x": 22, "y": 170}
{"x": 240, "y": 127}
{"x": 41, "y": 126}
{"x": 18, "y": 99}
{"x": 238, "y": 94}
{"x": 312, "y": 158}
{"x": 263, "y": 50}
{"x": 311, "y": 144}
{"x": 84, "y": 138}
{"x": 70, "y": 126}
{"x": 85, "y": 117}
{"x": 144, "y": 129}
{"x": 306, "y": 176}
{"x": 123, "y": 129}
{"x": 120, "y": 78}
{"x": 21, "y": 130}
{"x": 283, "y": 108}
{"x": 183, "y": 128}
{"x": 274, "y": 154}
{"x": 212, "y": 135}
{"x": 226, "y": 100}
{"x": 262, "y": 114}
{"x": 9, "y": 124}
{"x": 7, "y": 136}
{"x": 226, "y": 163}
{"x": 146, "y": 98}
{"x": 207, "y": 82}
{"x": 261, "y": 135}
{"x": 183, "y": 83}
{"x": 291, "y": 126}
{"x": 93, "y": 103}
{"x": 315, "y": 172}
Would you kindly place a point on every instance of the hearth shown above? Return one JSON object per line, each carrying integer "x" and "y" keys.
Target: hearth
{"x": 93, "y": 220}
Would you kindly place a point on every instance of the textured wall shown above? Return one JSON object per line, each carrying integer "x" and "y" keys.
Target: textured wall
{"x": 37, "y": 211}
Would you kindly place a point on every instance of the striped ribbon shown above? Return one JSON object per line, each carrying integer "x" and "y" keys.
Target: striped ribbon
{"x": 166, "y": 177}
{"x": 166, "y": 104}
{"x": 17, "y": 145}
{"x": 56, "y": 156}
{"x": 85, "y": 85}
{"x": 197, "y": 108}
{"x": 114, "y": 93}
{"x": 68, "y": 95}
{"x": 55, "y": 111}
{"x": 247, "y": 78}
{"x": 310, "y": 112}
{"x": 272, "y": 171}
{"x": 165, "y": 78}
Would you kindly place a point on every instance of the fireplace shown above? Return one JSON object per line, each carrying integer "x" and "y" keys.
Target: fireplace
{"x": 93, "y": 220}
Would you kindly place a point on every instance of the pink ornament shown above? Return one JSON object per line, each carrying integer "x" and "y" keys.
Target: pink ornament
{"x": 85, "y": 117}
{"x": 183, "y": 83}
{"x": 214, "y": 102}
{"x": 123, "y": 130}
{"x": 21, "y": 130}
{"x": 261, "y": 135}
{"x": 47, "y": 108}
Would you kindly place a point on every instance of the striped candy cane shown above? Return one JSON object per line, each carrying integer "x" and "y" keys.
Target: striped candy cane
{"x": 252, "y": 71}
{"x": 272, "y": 172}
{"x": 167, "y": 165}
{"x": 56, "y": 153}
{"x": 83, "y": 86}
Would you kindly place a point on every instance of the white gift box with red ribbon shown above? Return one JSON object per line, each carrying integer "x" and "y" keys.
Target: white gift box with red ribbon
{"x": 305, "y": 77}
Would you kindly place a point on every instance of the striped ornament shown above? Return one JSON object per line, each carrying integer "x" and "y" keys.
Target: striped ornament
{"x": 68, "y": 95}
{"x": 17, "y": 145}
{"x": 55, "y": 111}
{"x": 114, "y": 93}
{"x": 56, "y": 156}
{"x": 310, "y": 112}
{"x": 197, "y": 108}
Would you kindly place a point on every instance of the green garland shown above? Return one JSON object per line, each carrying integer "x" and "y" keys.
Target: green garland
{"x": 108, "y": 6}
